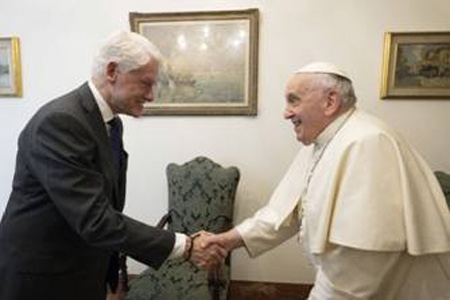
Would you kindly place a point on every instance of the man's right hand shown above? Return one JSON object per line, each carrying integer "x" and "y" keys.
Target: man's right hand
{"x": 206, "y": 257}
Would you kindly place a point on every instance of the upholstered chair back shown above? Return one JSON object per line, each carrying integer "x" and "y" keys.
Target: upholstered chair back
{"x": 201, "y": 196}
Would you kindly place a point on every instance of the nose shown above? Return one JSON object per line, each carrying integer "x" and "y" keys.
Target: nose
{"x": 287, "y": 113}
{"x": 149, "y": 96}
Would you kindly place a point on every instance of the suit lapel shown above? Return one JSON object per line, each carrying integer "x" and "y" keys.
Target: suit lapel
{"x": 96, "y": 121}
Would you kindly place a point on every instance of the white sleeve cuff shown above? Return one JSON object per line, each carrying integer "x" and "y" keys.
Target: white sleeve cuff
{"x": 179, "y": 246}
{"x": 245, "y": 227}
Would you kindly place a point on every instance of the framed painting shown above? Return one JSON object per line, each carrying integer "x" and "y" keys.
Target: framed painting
{"x": 416, "y": 65}
{"x": 10, "y": 68}
{"x": 210, "y": 61}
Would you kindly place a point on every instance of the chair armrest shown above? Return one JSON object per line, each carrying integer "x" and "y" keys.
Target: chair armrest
{"x": 164, "y": 220}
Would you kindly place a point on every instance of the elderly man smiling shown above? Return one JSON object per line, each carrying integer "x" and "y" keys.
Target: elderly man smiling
{"x": 63, "y": 226}
{"x": 371, "y": 215}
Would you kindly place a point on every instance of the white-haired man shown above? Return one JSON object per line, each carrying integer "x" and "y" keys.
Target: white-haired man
{"x": 370, "y": 213}
{"x": 63, "y": 225}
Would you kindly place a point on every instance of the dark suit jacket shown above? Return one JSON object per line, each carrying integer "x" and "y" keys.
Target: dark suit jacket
{"x": 63, "y": 219}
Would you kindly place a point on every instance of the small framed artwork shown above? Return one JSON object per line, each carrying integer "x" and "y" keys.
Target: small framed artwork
{"x": 416, "y": 65}
{"x": 10, "y": 68}
{"x": 210, "y": 61}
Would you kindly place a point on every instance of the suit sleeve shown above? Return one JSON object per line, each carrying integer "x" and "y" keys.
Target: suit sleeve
{"x": 64, "y": 158}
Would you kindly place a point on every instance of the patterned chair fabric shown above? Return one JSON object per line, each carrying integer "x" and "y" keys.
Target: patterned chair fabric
{"x": 201, "y": 197}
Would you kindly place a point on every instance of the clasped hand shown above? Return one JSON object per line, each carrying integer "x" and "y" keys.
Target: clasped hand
{"x": 209, "y": 250}
{"x": 207, "y": 255}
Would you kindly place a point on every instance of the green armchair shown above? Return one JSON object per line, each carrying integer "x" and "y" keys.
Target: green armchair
{"x": 201, "y": 197}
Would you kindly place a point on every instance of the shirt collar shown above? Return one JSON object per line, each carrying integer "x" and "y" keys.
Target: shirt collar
{"x": 328, "y": 133}
{"x": 105, "y": 110}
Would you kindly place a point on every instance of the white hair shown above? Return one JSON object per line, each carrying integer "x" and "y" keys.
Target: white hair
{"x": 128, "y": 49}
{"x": 341, "y": 84}
{"x": 330, "y": 76}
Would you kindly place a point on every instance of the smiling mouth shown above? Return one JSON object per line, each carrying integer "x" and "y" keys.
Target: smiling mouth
{"x": 296, "y": 122}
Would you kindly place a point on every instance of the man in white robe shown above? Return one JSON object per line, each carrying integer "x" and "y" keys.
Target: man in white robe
{"x": 371, "y": 214}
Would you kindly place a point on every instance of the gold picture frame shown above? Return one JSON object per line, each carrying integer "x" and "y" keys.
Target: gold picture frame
{"x": 416, "y": 65}
{"x": 10, "y": 67}
{"x": 211, "y": 61}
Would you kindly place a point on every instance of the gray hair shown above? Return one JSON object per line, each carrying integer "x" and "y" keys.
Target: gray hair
{"x": 128, "y": 49}
{"x": 341, "y": 84}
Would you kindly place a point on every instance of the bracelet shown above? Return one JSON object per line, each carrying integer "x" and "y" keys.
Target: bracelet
{"x": 191, "y": 247}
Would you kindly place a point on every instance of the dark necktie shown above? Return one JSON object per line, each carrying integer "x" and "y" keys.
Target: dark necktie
{"x": 115, "y": 139}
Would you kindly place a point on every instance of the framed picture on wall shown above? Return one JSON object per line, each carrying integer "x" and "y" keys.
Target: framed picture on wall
{"x": 210, "y": 61}
{"x": 416, "y": 65}
{"x": 10, "y": 68}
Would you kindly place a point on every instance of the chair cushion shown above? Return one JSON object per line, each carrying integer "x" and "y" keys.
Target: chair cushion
{"x": 176, "y": 279}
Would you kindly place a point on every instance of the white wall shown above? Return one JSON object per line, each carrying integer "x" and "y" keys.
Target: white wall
{"x": 58, "y": 38}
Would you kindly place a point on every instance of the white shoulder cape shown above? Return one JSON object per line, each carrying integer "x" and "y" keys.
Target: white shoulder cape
{"x": 369, "y": 191}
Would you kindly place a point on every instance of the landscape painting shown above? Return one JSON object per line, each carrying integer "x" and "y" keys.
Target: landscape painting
{"x": 10, "y": 68}
{"x": 209, "y": 61}
{"x": 416, "y": 65}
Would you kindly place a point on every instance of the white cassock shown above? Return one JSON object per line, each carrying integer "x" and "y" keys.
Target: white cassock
{"x": 374, "y": 220}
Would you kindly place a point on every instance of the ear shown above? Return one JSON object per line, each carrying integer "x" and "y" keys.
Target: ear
{"x": 111, "y": 71}
{"x": 333, "y": 103}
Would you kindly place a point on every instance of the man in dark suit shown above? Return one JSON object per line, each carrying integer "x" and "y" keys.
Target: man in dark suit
{"x": 63, "y": 224}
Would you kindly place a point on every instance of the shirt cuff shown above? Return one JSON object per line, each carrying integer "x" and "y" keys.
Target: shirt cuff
{"x": 245, "y": 227}
{"x": 179, "y": 246}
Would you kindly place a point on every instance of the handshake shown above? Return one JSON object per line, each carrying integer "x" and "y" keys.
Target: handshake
{"x": 208, "y": 250}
